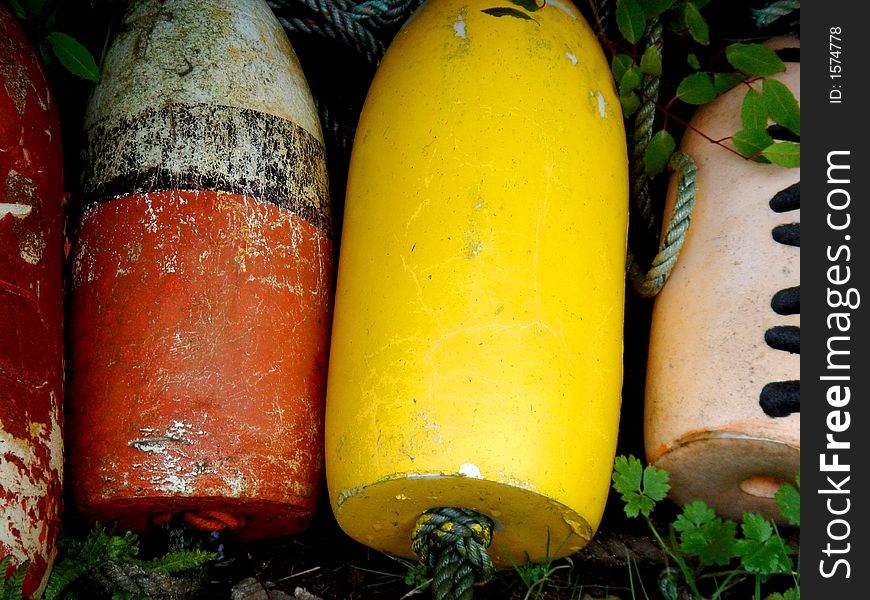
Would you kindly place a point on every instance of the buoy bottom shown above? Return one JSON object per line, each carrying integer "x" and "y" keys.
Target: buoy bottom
{"x": 245, "y": 519}
{"x": 732, "y": 473}
{"x": 529, "y": 527}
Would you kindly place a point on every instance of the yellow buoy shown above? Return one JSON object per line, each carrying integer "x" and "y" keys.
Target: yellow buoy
{"x": 476, "y": 357}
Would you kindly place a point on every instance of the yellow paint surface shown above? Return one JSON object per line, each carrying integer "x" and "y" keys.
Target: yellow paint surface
{"x": 476, "y": 356}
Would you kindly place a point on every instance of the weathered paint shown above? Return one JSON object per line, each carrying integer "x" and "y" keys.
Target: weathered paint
{"x": 201, "y": 277}
{"x": 477, "y": 342}
{"x": 31, "y": 312}
{"x": 708, "y": 359}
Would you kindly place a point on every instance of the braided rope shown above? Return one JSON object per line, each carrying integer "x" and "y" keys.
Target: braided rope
{"x": 452, "y": 542}
{"x": 359, "y": 25}
{"x": 648, "y": 284}
{"x": 140, "y": 582}
{"x": 767, "y": 15}
{"x": 643, "y": 132}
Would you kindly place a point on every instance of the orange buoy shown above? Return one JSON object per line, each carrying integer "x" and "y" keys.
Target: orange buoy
{"x": 201, "y": 277}
{"x": 31, "y": 310}
{"x": 723, "y": 379}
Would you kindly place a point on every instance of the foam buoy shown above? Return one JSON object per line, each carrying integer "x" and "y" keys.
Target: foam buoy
{"x": 723, "y": 389}
{"x": 201, "y": 277}
{"x": 31, "y": 310}
{"x": 476, "y": 358}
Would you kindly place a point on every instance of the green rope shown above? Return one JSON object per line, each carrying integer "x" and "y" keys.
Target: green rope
{"x": 648, "y": 284}
{"x": 767, "y": 15}
{"x": 452, "y": 543}
{"x": 643, "y": 133}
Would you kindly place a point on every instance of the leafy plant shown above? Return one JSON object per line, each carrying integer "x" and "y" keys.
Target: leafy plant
{"x": 767, "y": 101}
{"x": 535, "y": 576}
{"x": 79, "y": 558}
{"x": 698, "y": 539}
{"x": 40, "y": 17}
{"x": 10, "y": 587}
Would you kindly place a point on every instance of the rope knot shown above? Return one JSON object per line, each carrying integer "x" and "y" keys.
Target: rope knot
{"x": 452, "y": 542}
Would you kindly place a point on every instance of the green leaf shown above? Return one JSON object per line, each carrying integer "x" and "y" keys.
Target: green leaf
{"x": 753, "y": 113}
{"x": 697, "y": 24}
{"x": 781, "y": 104}
{"x": 693, "y": 61}
{"x": 751, "y": 142}
{"x": 20, "y": 14}
{"x": 704, "y": 535}
{"x": 630, "y": 81}
{"x": 73, "y": 56}
{"x": 723, "y": 82}
{"x": 627, "y": 474}
{"x": 182, "y": 560}
{"x": 756, "y": 527}
{"x": 657, "y": 154}
{"x": 630, "y": 19}
{"x": 653, "y": 8}
{"x": 784, "y": 154}
{"x": 696, "y": 88}
{"x": 640, "y": 488}
{"x": 694, "y": 514}
{"x": 789, "y": 501}
{"x": 651, "y": 61}
{"x": 621, "y": 63}
{"x": 789, "y": 594}
{"x": 507, "y": 12}
{"x": 630, "y": 103}
{"x": 761, "y": 551}
{"x": 754, "y": 59}
{"x": 655, "y": 483}
{"x": 529, "y": 5}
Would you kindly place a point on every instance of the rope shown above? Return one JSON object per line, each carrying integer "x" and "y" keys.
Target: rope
{"x": 452, "y": 542}
{"x": 205, "y": 520}
{"x": 648, "y": 284}
{"x": 643, "y": 133}
{"x": 359, "y": 25}
{"x": 767, "y": 15}
{"x": 140, "y": 582}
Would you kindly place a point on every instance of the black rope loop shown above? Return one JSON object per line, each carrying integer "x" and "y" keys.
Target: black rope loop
{"x": 452, "y": 543}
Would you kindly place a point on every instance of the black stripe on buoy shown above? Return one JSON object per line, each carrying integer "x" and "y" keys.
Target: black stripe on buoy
{"x": 208, "y": 147}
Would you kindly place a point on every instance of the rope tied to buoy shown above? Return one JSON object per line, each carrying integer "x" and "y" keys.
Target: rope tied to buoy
{"x": 648, "y": 283}
{"x": 204, "y": 520}
{"x": 452, "y": 543}
{"x": 768, "y": 14}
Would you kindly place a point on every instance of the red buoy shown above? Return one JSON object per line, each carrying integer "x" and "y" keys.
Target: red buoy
{"x": 31, "y": 310}
{"x": 201, "y": 277}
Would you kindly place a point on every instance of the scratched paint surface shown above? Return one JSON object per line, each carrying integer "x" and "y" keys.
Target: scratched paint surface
{"x": 476, "y": 352}
{"x": 201, "y": 322}
{"x": 31, "y": 319}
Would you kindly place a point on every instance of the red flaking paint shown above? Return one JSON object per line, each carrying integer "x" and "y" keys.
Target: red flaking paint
{"x": 31, "y": 312}
{"x": 199, "y": 323}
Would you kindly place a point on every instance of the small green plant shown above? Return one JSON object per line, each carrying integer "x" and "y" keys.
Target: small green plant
{"x": 698, "y": 539}
{"x": 39, "y": 16}
{"x": 535, "y": 576}
{"x": 80, "y": 558}
{"x": 10, "y": 587}
{"x": 766, "y": 101}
